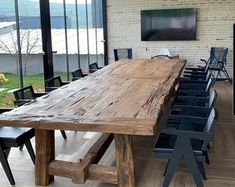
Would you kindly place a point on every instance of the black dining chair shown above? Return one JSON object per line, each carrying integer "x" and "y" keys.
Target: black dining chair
{"x": 186, "y": 142}
{"x": 122, "y": 53}
{"x": 195, "y": 78}
{"x": 94, "y": 67}
{"x": 217, "y": 61}
{"x": 196, "y": 101}
{"x": 194, "y": 89}
{"x": 26, "y": 95}
{"x": 54, "y": 83}
{"x": 11, "y": 137}
{"x": 165, "y": 53}
{"x": 78, "y": 74}
{"x": 194, "y": 106}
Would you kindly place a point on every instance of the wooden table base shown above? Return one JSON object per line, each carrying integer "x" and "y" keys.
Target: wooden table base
{"x": 124, "y": 160}
{"x": 45, "y": 153}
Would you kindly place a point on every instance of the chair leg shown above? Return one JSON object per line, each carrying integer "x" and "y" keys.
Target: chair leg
{"x": 202, "y": 169}
{"x": 30, "y": 150}
{"x": 216, "y": 77}
{"x": 164, "y": 174}
{"x": 63, "y": 134}
{"x": 6, "y": 166}
{"x": 192, "y": 163}
{"x": 7, "y": 152}
{"x": 170, "y": 170}
{"x": 208, "y": 146}
{"x": 227, "y": 75}
{"x": 207, "y": 158}
{"x": 21, "y": 147}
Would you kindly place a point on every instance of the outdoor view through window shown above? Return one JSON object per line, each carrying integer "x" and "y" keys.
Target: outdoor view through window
{"x": 77, "y": 41}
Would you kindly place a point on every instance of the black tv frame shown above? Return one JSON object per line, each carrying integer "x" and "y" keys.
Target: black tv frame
{"x": 170, "y": 39}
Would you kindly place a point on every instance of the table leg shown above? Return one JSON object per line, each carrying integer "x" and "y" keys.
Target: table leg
{"x": 45, "y": 153}
{"x": 124, "y": 160}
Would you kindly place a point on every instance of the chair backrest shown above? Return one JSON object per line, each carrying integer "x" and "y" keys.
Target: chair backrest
{"x": 218, "y": 54}
{"x": 53, "y": 82}
{"x": 93, "y": 66}
{"x": 24, "y": 93}
{"x": 212, "y": 99}
{"x": 122, "y": 53}
{"x": 207, "y": 67}
{"x": 77, "y": 73}
{"x": 161, "y": 57}
{"x": 209, "y": 128}
{"x": 209, "y": 84}
{"x": 165, "y": 51}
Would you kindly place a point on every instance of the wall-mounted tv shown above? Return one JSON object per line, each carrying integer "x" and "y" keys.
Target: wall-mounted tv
{"x": 168, "y": 24}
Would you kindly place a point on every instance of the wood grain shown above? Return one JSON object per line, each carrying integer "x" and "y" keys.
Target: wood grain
{"x": 95, "y": 153}
{"x": 45, "y": 153}
{"x": 106, "y": 174}
{"x": 148, "y": 170}
{"x": 124, "y": 160}
{"x": 125, "y": 97}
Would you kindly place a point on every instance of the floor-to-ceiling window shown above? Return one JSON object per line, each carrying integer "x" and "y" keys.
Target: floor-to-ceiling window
{"x": 20, "y": 47}
{"x": 77, "y": 41}
{"x": 77, "y": 35}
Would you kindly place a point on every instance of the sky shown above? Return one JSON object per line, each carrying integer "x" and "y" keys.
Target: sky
{"x": 67, "y": 1}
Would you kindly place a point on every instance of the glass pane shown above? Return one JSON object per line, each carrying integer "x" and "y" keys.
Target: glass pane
{"x": 85, "y": 40}
{"x": 58, "y": 37}
{"x": 97, "y": 29}
{"x": 84, "y": 34}
{"x": 9, "y": 67}
{"x": 31, "y": 44}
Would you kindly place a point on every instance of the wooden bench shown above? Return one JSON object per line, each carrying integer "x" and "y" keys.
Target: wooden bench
{"x": 87, "y": 168}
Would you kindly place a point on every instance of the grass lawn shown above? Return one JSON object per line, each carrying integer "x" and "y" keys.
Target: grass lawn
{"x": 37, "y": 81}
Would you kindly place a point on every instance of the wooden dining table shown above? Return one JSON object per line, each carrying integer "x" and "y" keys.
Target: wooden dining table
{"x": 124, "y": 99}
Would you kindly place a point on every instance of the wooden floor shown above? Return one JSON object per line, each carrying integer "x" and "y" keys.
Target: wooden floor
{"x": 221, "y": 172}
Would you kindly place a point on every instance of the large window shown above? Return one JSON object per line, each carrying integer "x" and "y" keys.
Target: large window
{"x": 77, "y": 41}
{"x": 77, "y": 35}
{"x": 20, "y": 48}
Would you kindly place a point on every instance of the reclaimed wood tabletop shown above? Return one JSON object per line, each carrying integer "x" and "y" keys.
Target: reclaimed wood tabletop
{"x": 124, "y": 97}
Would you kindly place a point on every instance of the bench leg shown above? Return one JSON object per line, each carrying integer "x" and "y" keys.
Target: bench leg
{"x": 30, "y": 150}
{"x": 45, "y": 153}
{"x": 124, "y": 160}
{"x": 6, "y": 166}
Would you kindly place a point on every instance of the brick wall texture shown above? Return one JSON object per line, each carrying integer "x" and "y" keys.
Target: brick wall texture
{"x": 215, "y": 19}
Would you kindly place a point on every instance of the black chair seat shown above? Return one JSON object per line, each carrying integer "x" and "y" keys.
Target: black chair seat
{"x": 15, "y": 137}
{"x": 166, "y": 143}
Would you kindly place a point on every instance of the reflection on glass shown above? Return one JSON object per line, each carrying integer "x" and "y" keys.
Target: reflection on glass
{"x": 31, "y": 44}
{"x": 84, "y": 31}
{"x": 77, "y": 34}
{"x": 9, "y": 65}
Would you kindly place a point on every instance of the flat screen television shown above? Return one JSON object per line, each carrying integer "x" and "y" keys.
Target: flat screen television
{"x": 168, "y": 24}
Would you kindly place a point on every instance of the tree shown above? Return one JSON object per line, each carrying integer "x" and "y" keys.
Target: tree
{"x": 27, "y": 44}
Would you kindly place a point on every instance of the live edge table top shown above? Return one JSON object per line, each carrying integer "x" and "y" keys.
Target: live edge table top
{"x": 125, "y": 97}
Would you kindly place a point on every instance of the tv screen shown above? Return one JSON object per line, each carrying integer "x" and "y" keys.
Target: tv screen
{"x": 168, "y": 24}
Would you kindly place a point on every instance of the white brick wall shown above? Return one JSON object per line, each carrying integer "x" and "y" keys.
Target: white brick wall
{"x": 214, "y": 28}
